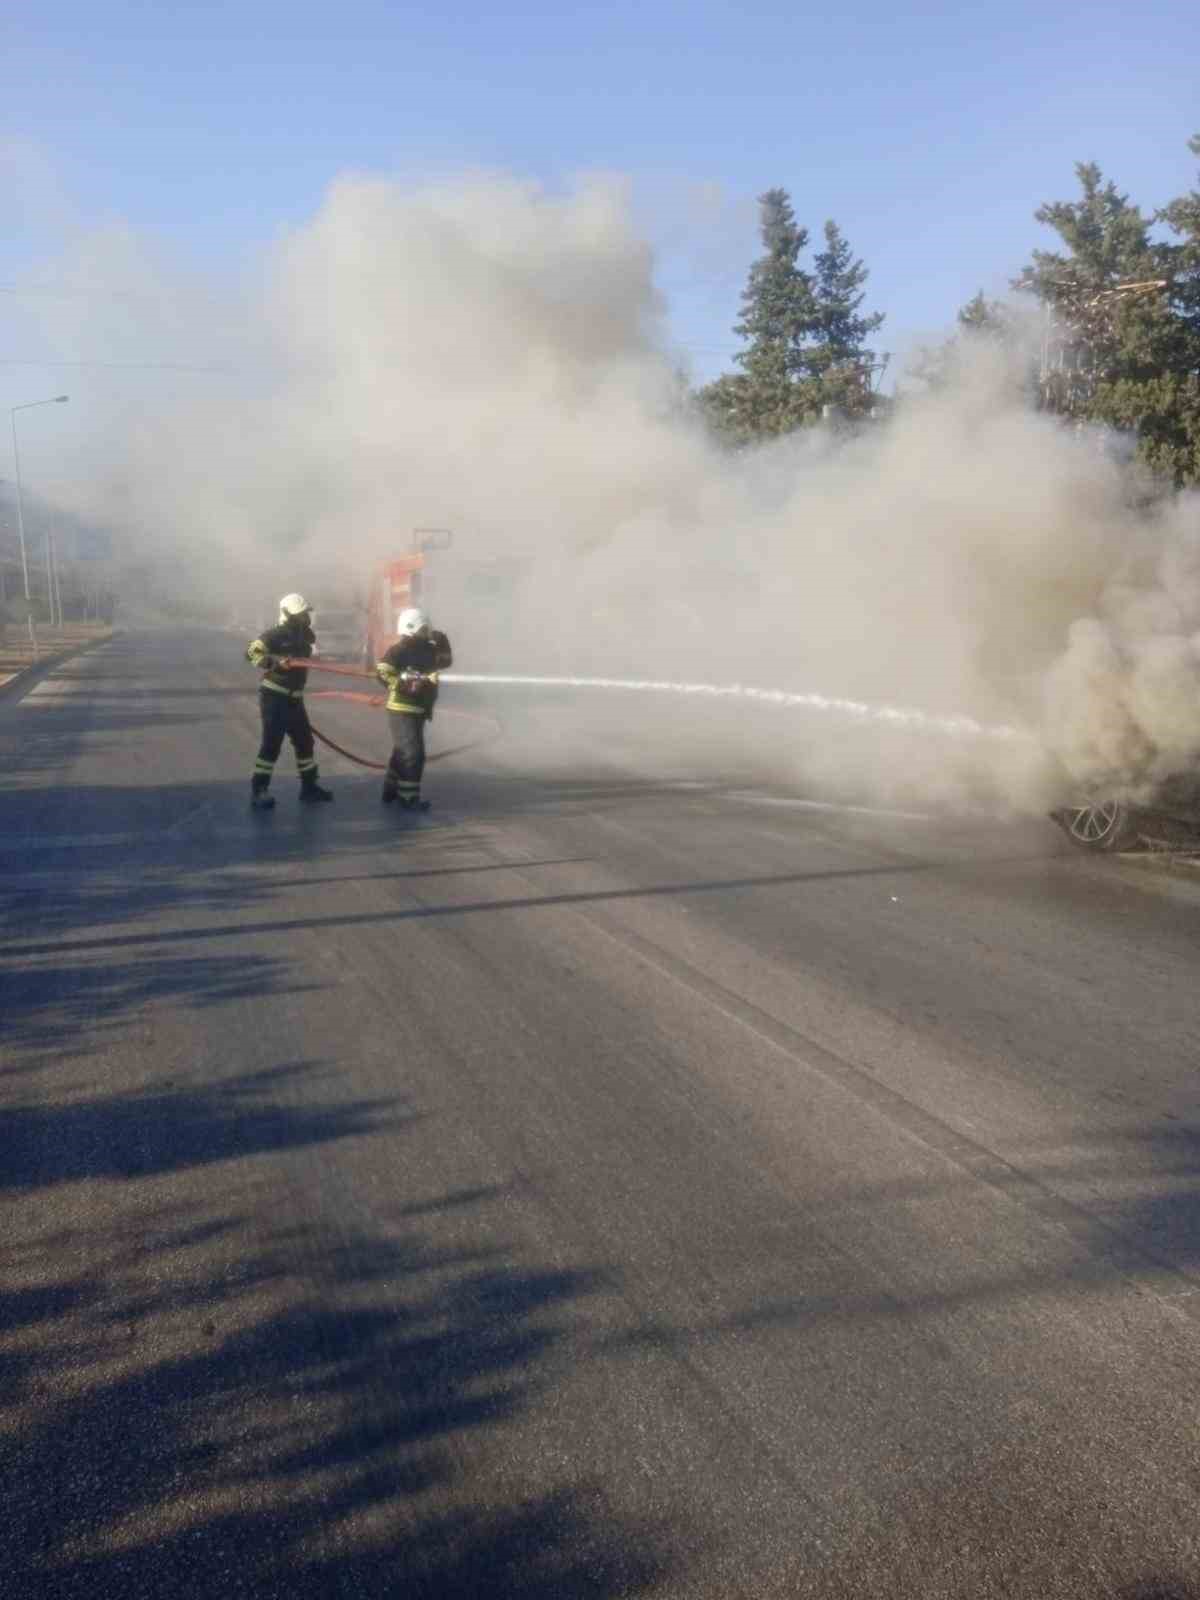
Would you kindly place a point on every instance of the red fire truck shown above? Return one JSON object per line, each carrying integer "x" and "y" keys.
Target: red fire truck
{"x": 395, "y": 585}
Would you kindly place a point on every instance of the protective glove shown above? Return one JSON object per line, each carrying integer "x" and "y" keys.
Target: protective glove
{"x": 267, "y": 663}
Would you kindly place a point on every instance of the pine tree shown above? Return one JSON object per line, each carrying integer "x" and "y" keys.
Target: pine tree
{"x": 1123, "y": 340}
{"x": 773, "y": 394}
{"x": 1107, "y": 323}
{"x": 1182, "y": 216}
{"x": 805, "y": 334}
{"x": 838, "y": 356}
{"x": 1171, "y": 428}
{"x": 1106, "y": 235}
{"x": 777, "y": 302}
{"x": 979, "y": 319}
{"x": 985, "y": 318}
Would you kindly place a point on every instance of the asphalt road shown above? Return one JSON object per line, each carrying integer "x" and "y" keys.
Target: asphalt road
{"x": 634, "y": 1179}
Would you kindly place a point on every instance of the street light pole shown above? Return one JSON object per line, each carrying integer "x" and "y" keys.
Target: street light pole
{"x": 56, "y": 400}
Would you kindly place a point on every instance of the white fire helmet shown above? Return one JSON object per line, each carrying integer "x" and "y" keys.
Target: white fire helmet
{"x": 412, "y": 623}
{"x": 292, "y": 605}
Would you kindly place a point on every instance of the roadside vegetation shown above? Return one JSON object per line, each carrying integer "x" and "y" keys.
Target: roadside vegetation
{"x": 1107, "y": 321}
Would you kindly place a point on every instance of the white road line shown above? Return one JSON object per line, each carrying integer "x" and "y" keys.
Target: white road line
{"x": 828, "y": 805}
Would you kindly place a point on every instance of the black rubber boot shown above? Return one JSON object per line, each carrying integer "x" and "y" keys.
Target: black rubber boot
{"x": 413, "y": 802}
{"x": 260, "y": 800}
{"x": 311, "y": 793}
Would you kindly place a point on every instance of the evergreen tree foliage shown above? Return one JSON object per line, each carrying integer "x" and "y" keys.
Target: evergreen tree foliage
{"x": 1123, "y": 327}
{"x": 983, "y": 317}
{"x": 838, "y": 356}
{"x": 803, "y": 330}
{"x": 1120, "y": 344}
{"x": 979, "y": 319}
{"x": 1171, "y": 430}
{"x": 1106, "y": 235}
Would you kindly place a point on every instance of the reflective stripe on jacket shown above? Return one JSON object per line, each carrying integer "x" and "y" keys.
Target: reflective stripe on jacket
{"x": 277, "y": 688}
{"x": 288, "y": 641}
{"x": 414, "y": 696}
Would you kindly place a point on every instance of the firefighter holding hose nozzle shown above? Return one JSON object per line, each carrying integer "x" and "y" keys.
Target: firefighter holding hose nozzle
{"x": 410, "y": 672}
{"x": 281, "y": 701}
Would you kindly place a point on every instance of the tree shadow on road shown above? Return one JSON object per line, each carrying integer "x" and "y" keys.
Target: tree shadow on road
{"x": 166, "y": 1129}
{"x": 201, "y": 1410}
{"x": 62, "y": 1008}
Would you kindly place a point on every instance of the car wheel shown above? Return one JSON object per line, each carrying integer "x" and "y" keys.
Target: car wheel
{"x": 1106, "y": 825}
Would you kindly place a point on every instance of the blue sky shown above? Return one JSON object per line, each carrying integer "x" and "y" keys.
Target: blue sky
{"x": 930, "y": 131}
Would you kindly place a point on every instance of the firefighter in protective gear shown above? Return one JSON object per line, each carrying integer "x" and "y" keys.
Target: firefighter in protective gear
{"x": 281, "y": 701}
{"x": 410, "y": 672}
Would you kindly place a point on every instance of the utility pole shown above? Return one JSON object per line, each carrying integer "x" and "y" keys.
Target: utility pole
{"x": 50, "y": 572}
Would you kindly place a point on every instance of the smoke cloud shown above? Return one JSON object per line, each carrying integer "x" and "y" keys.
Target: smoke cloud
{"x": 483, "y": 355}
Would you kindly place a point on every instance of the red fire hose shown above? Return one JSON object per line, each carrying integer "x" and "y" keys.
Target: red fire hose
{"x": 377, "y": 766}
{"x": 326, "y": 666}
{"x": 362, "y": 699}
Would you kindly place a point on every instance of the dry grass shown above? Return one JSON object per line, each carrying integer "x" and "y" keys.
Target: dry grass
{"x": 17, "y": 653}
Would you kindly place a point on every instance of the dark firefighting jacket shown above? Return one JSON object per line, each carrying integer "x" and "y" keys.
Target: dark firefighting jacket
{"x": 292, "y": 639}
{"x": 415, "y": 695}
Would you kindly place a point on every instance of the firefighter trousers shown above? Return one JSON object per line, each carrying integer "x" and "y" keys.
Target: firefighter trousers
{"x": 407, "y": 761}
{"x": 283, "y": 718}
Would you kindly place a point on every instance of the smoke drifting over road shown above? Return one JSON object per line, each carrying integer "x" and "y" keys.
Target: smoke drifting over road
{"x": 484, "y": 356}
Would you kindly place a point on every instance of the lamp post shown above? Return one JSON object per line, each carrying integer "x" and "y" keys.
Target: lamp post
{"x": 56, "y": 400}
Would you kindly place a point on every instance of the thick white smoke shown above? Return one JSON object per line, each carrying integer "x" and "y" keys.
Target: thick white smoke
{"x": 485, "y": 356}
{"x": 1122, "y": 701}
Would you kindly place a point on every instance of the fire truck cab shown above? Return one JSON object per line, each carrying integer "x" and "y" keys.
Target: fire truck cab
{"x": 396, "y": 585}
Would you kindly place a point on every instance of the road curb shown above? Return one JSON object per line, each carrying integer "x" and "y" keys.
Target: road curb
{"x": 15, "y": 684}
